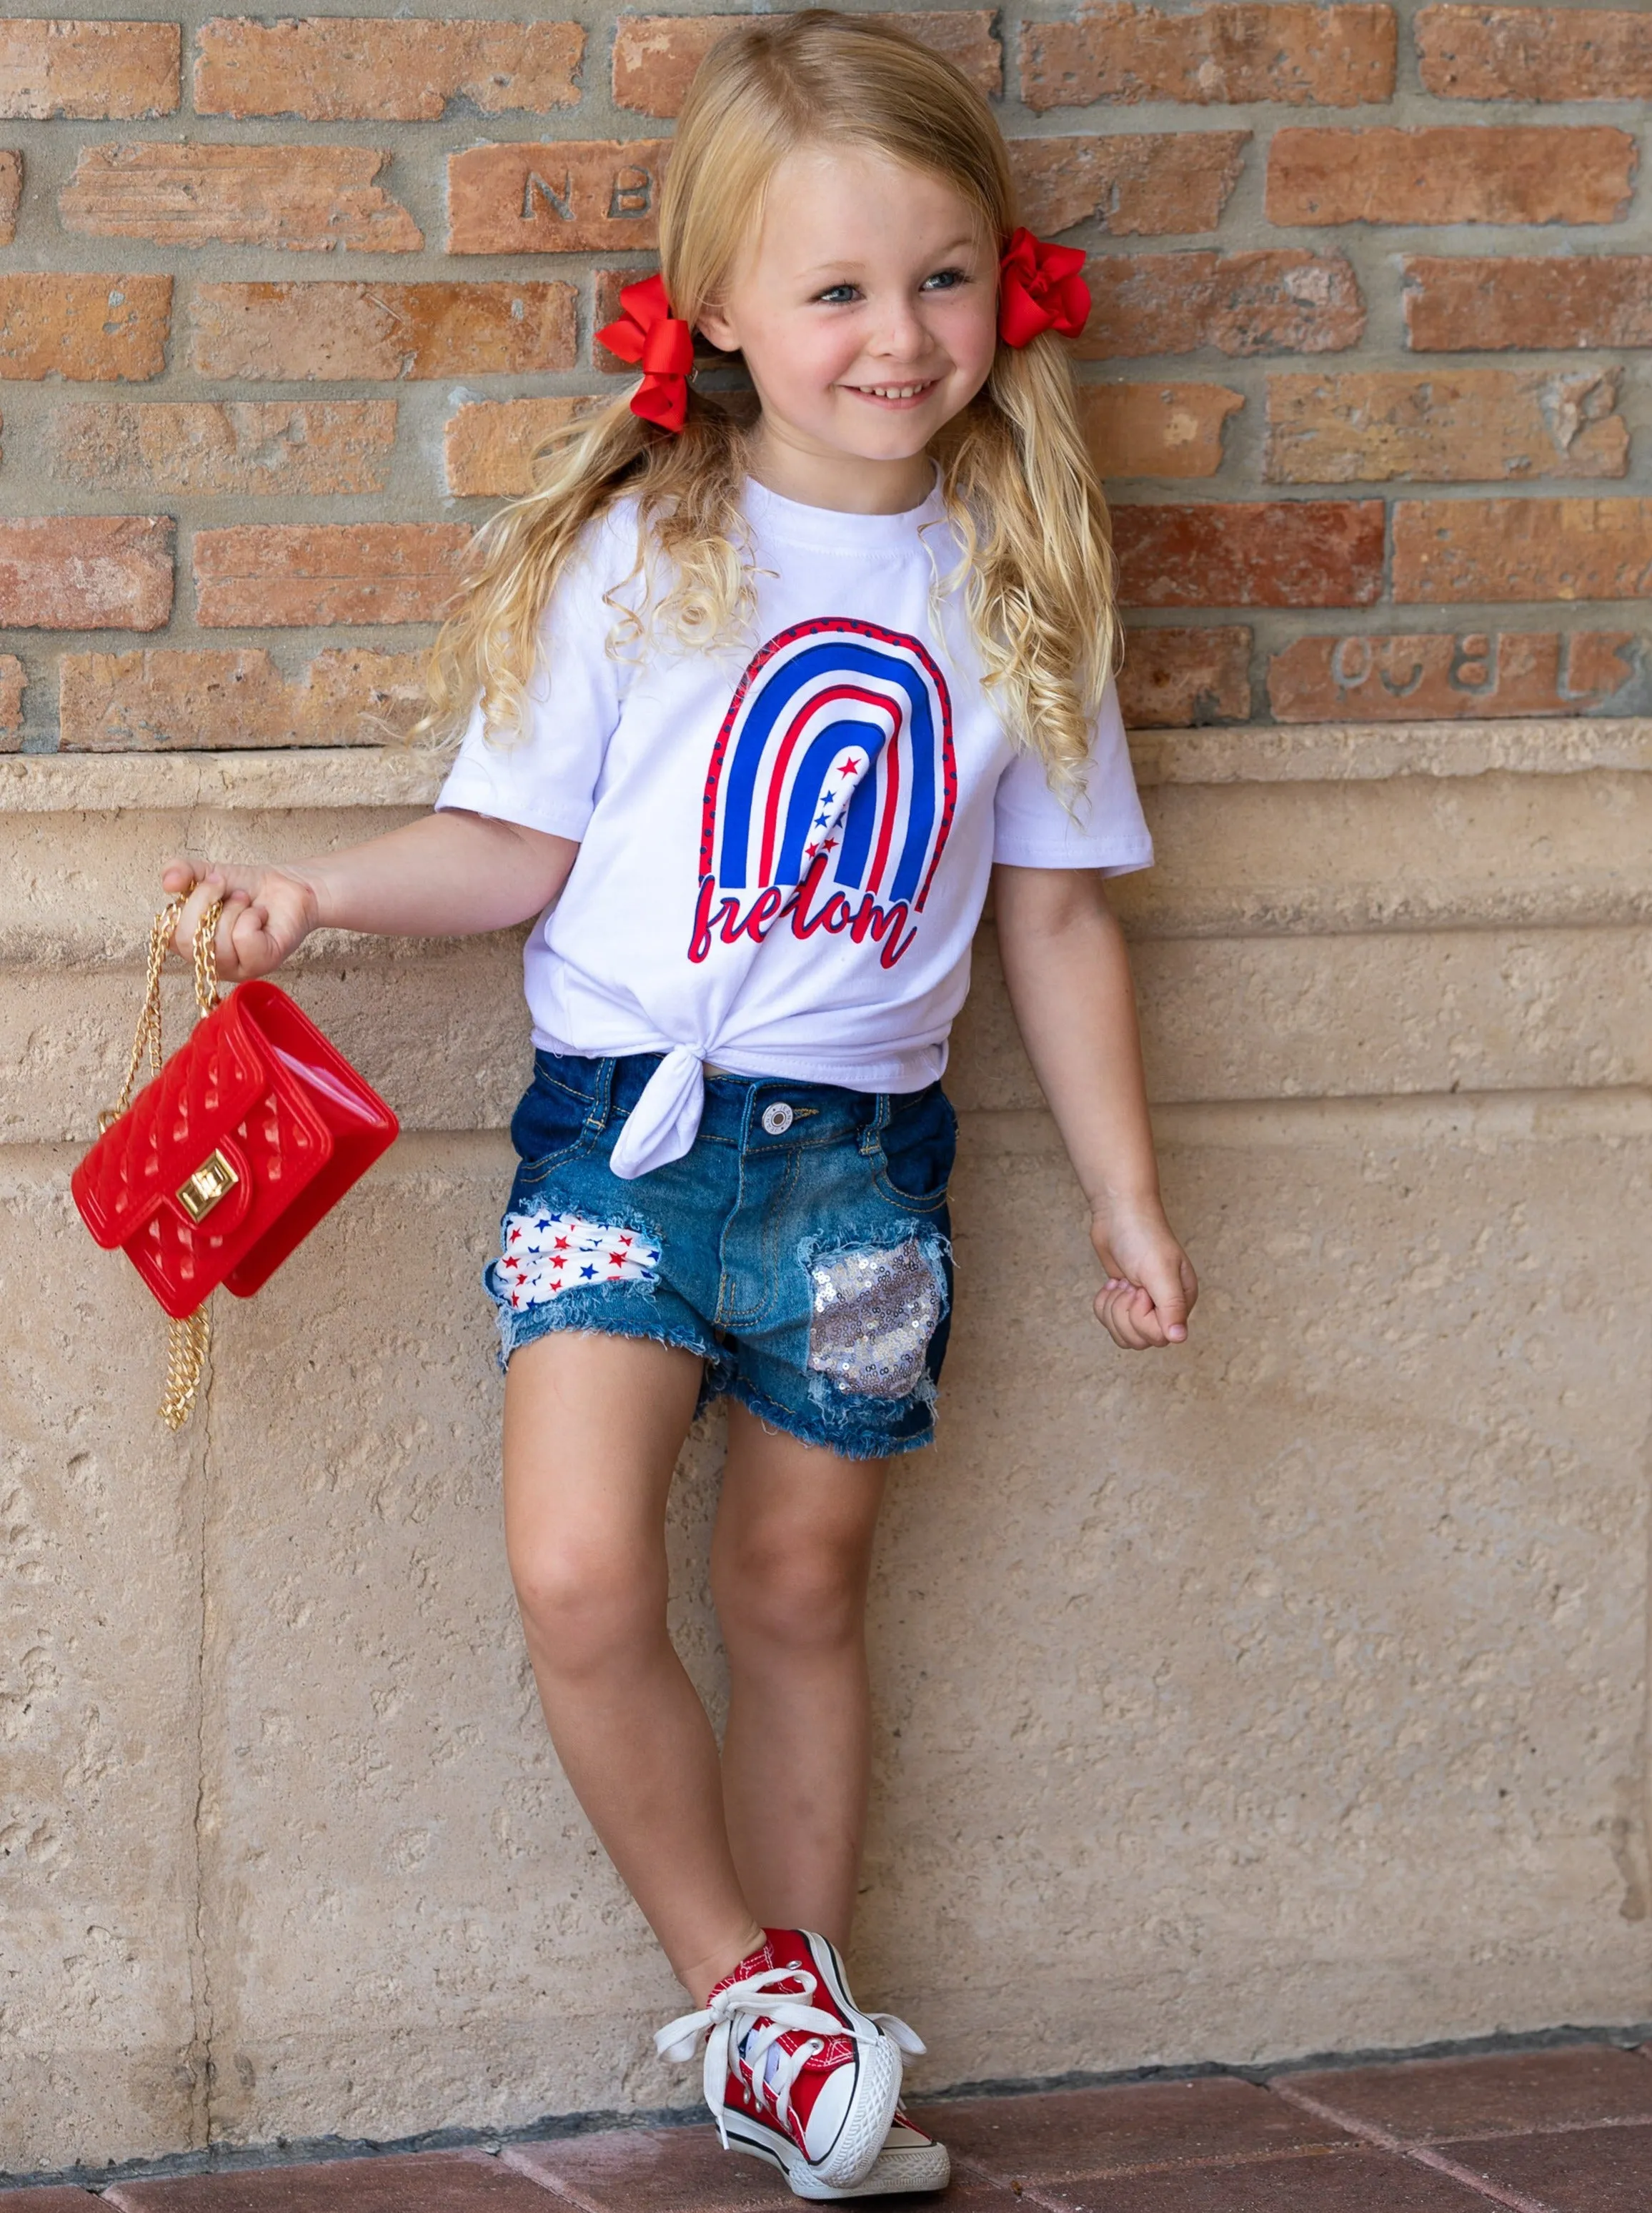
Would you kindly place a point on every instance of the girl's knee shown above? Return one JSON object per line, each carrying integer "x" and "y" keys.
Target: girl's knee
{"x": 794, "y": 1595}
{"x": 585, "y": 1604}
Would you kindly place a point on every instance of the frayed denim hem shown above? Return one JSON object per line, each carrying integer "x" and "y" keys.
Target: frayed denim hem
{"x": 848, "y": 1442}
{"x": 613, "y": 1311}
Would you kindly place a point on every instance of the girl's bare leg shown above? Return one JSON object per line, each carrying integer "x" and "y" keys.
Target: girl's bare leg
{"x": 593, "y": 1427}
{"x": 789, "y": 1563}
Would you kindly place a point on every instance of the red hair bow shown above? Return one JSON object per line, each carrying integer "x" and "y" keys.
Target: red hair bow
{"x": 1041, "y": 289}
{"x": 647, "y": 331}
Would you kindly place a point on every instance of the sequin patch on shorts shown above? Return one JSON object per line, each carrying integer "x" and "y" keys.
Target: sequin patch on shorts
{"x": 875, "y": 1309}
{"x": 545, "y": 1254}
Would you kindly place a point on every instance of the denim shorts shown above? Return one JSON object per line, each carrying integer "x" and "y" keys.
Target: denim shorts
{"x": 801, "y": 1247}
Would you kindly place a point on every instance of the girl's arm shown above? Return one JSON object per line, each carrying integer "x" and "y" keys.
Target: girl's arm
{"x": 1069, "y": 978}
{"x": 448, "y": 875}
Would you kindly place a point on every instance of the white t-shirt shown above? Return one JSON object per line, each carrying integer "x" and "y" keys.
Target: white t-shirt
{"x": 784, "y": 845}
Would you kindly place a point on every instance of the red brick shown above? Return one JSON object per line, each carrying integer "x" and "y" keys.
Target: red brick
{"x": 491, "y": 443}
{"x": 1452, "y": 172}
{"x": 1172, "y": 679}
{"x": 1535, "y": 53}
{"x": 655, "y": 57}
{"x": 289, "y": 574}
{"x": 573, "y": 196}
{"x": 86, "y": 572}
{"x": 431, "y": 2181}
{"x": 136, "y": 702}
{"x": 649, "y": 2171}
{"x": 1275, "y": 553}
{"x": 11, "y": 193}
{"x": 1493, "y": 2092}
{"x": 1445, "y": 676}
{"x": 304, "y": 331}
{"x": 1341, "y": 57}
{"x": 88, "y": 330}
{"x": 1135, "y": 184}
{"x": 1284, "y": 300}
{"x": 11, "y": 701}
{"x": 312, "y": 199}
{"x": 1122, "y": 2128}
{"x": 1156, "y": 430}
{"x": 229, "y": 446}
{"x": 107, "y": 72}
{"x": 1444, "y": 425}
{"x": 1469, "y": 306}
{"x": 350, "y": 69}
{"x": 1499, "y": 550}
{"x": 1584, "y": 2170}
{"x": 1339, "y": 2182}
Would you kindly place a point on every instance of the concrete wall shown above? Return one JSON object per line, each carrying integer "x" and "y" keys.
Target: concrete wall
{"x": 1283, "y": 1695}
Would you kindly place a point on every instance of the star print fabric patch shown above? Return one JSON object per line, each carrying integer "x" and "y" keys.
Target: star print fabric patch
{"x": 543, "y": 1255}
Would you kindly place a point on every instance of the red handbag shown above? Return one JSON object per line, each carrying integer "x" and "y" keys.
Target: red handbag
{"x": 229, "y": 1158}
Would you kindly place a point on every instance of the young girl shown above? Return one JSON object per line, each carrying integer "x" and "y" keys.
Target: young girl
{"x": 758, "y": 697}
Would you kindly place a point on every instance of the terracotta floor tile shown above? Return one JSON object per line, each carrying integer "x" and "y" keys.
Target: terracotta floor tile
{"x": 655, "y": 2171}
{"x": 1312, "y": 2182}
{"x": 411, "y": 2182}
{"x": 1053, "y": 2133}
{"x": 50, "y": 2197}
{"x": 1430, "y": 2100}
{"x": 1576, "y": 2171}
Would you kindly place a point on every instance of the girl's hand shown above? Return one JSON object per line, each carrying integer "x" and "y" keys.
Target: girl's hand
{"x": 1150, "y": 1287}
{"x": 267, "y": 914}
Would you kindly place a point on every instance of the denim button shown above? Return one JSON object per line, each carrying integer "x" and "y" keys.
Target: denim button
{"x": 777, "y": 1119}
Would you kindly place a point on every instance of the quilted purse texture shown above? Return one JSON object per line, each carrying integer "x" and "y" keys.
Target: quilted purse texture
{"x": 253, "y": 1129}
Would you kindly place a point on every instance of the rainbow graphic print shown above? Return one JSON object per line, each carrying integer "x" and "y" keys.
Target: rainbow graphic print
{"x": 834, "y": 766}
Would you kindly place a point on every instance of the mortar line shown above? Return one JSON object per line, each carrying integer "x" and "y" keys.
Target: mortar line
{"x": 1418, "y": 2155}
{"x": 566, "y": 2192}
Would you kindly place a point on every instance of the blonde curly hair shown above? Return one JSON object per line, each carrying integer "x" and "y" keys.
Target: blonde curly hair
{"x": 1020, "y": 489}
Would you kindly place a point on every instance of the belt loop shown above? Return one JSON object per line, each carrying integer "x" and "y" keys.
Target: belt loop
{"x": 748, "y": 1112}
{"x": 872, "y": 1135}
{"x": 597, "y": 1120}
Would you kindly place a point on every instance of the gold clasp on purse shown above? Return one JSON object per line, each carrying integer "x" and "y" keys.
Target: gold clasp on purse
{"x": 214, "y": 1179}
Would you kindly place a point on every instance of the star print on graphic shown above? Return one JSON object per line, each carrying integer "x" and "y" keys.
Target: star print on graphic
{"x": 544, "y": 1255}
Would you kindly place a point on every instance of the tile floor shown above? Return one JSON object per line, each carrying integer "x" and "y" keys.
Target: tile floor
{"x": 1561, "y": 2130}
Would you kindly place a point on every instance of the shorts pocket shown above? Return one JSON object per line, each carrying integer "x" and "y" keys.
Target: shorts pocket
{"x": 917, "y": 1147}
{"x": 553, "y": 1123}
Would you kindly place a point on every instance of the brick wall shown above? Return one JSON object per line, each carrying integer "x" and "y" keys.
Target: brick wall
{"x": 283, "y": 305}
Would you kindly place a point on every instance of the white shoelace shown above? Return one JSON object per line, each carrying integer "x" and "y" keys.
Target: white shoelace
{"x": 732, "y": 2017}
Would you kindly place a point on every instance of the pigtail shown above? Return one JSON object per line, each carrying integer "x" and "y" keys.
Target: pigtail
{"x": 1037, "y": 567}
{"x": 515, "y": 560}
{"x": 691, "y": 556}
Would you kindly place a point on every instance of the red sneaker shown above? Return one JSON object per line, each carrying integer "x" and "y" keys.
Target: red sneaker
{"x": 794, "y": 2072}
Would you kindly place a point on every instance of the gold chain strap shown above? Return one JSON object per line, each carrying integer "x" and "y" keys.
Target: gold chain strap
{"x": 189, "y": 1342}
{"x": 189, "y": 1345}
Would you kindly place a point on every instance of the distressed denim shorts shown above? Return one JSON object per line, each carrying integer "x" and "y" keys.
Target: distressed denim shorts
{"x": 800, "y": 1246}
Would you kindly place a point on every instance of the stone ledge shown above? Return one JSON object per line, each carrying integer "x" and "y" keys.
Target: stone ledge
{"x": 1332, "y": 752}
{"x": 1360, "y": 752}
{"x": 273, "y": 781}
